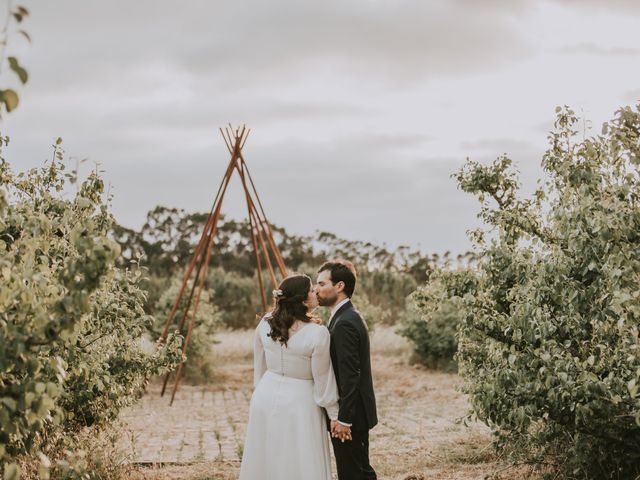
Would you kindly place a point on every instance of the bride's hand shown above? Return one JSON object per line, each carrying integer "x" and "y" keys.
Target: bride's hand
{"x": 315, "y": 319}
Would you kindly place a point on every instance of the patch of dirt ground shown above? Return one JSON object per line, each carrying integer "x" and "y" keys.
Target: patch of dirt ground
{"x": 419, "y": 436}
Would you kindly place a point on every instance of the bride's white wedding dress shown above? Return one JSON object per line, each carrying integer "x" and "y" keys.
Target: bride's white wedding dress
{"x": 287, "y": 436}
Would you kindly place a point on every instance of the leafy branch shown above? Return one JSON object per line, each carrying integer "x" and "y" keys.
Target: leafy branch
{"x": 9, "y": 98}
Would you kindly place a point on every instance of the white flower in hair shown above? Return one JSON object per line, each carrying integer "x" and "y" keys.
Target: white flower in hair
{"x": 276, "y": 293}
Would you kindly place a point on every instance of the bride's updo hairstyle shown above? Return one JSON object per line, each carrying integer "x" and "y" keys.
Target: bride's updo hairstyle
{"x": 288, "y": 306}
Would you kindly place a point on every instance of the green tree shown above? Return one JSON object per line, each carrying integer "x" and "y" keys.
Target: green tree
{"x": 386, "y": 289}
{"x": 167, "y": 241}
{"x": 549, "y": 340}
{"x": 237, "y": 296}
{"x": 434, "y": 314}
{"x": 70, "y": 323}
{"x": 206, "y": 322}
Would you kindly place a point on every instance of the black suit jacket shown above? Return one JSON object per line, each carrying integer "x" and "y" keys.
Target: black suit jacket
{"x": 351, "y": 361}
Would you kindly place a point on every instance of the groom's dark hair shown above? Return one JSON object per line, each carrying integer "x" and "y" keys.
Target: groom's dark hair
{"x": 341, "y": 271}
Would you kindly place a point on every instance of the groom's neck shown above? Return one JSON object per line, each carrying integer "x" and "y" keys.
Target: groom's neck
{"x": 340, "y": 299}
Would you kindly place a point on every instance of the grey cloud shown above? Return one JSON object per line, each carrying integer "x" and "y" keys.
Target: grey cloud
{"x": 632, "y": 96}
{"x": 615, "y": 6}
{"x": 247, "y": 43}
{"x": 402, "y": 41}
{"x": 341, "y": 186}
{"x": 381, "y": 141}
{"x": 498, "y": 145}
{"x": 543, "y": 127}
{"x": 593, "y": 49}
{"x": 215, "y": 112}
{"x": 338, "y": 94}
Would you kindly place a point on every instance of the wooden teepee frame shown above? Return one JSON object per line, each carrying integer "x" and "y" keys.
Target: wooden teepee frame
{"x": 264, "y": 246}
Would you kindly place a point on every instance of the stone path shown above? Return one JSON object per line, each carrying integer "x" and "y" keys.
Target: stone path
{"x": 201, "y": 425}
{"x": 201, "y": 436}
{"x": 205, "y": 425}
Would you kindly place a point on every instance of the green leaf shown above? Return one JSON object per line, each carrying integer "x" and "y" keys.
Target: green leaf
{"x": 9, "y": 402}
{"x": 632, "y": 388}
{"x": 83, "y": 202}
{"x": 21, "y": 72}
{"x": 10, "y": 99}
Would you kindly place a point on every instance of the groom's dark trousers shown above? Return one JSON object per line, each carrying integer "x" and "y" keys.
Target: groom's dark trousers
{"x": 352, "y": 457}
{"x": 350, "y": 357}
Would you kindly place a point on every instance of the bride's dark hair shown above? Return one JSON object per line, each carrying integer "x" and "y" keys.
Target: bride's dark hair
{"x": 288, "y": 306}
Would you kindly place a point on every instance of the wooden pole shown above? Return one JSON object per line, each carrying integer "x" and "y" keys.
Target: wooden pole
{"x": 259, "y": 229}
{"x": 274, "y": 247}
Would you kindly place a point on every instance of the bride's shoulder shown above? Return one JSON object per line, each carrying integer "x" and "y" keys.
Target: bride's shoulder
{"x": 264, "y": 321}
{"x": 318, "y": 329}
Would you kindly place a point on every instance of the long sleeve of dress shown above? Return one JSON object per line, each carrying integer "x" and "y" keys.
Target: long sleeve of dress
{"x": 259, "y": 358}
{"x": 325, "y": 389}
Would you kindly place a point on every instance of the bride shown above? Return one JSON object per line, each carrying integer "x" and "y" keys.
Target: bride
{"x": 287, "y": 437}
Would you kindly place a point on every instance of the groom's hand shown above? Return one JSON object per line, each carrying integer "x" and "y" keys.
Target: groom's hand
{"x": 340, "y": 431}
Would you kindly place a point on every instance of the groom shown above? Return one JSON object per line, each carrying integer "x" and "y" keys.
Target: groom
{"x": 352, "y": 366}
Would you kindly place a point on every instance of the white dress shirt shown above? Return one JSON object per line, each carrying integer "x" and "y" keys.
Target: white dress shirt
{"x": 337, "y": 307}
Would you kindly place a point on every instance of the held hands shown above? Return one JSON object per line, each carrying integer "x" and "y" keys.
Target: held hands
{"x": 340, "y": 431}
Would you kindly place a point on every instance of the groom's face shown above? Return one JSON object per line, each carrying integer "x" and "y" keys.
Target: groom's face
{"x": 326, "y": 291}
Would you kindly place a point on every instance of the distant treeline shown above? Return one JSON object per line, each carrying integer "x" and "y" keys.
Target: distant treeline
{"x": 167, "y": 240}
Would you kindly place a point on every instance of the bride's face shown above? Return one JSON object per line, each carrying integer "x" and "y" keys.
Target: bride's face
{"x": 312, "y": 300}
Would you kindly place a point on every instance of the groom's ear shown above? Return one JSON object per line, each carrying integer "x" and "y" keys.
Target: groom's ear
{"x": 340, "y": 286}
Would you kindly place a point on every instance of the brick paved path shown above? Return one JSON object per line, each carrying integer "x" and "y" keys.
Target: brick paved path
{"x": 204, "y": 424}
{"x": 204, "y": 430}
{"x": 201, "y": 425}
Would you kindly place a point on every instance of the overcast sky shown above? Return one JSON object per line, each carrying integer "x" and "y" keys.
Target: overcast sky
{"x": 360, "y": 110}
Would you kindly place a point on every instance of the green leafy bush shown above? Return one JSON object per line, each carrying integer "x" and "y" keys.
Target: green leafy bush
{"x": 549, "y": 343}
{"x": 70, "y": 323}
{"x": 386, "y": 289}
{"x": 372, "y": 314}
{"x": 92, "y": 453}
{"x": 109, "y": 365}
{"x": 434, "y": 313}
{"x": 208, "y": 319}
{"x": 237, "y": 297}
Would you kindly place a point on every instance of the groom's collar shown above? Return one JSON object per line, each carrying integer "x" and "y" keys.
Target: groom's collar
{"x": 335, "y": 309}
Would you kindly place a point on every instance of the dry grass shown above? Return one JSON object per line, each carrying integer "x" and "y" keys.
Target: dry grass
{"x": 418, "y": 436}
{"x": 232, "y": 360}
{"x": 218, "y": 470}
